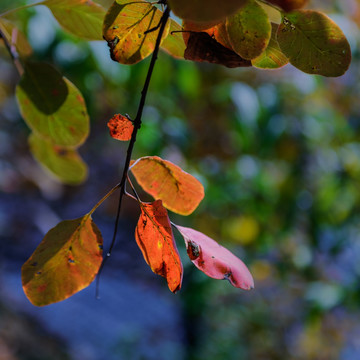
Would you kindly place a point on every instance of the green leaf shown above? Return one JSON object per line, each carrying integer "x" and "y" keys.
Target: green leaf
{"x": 52, "y": 106}
{"x": 272, "y": 57}
{"x": 174, "y": 43}
{"x": 289, "y": 5}
{"x": 66, "y": 261}
{"x": 83, "y": 18}
{"x": 249, "y": 30}
{"x": 65, "y": 164}
{"x": 124, "y": 29}
{"x": 314, "y": 43}
{"x": 204, "y": 10}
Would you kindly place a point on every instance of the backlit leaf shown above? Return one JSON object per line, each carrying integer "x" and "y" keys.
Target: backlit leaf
{"x": 155, "y": 238}
{"x": 204, "y": 10}
{"x": 174, "y": 44}
{"x": 52, "y": 106}
{"x": 272, "y": 57}
{"x": 214, "y": 260}
{"x": 65, "y": 262}
{"x": 16, "y": 37}
{"x": 179, "y": 191}
{"x": 314, "y": 43}
{"x": 124, "y": 29}
{"x": 65, "y": 164}
{"x": 202, "y": 47}
{"x": 120, "y": 127}
{"x": 83, "y": 18}
{"x": 289, "y": 5}
{"x": 249, "y": 30}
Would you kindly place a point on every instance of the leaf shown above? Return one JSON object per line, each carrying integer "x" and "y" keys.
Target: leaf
{"x": 16, "y": 37}
{"x": 82, "y": 18}
{"x": 154, "y": 236}
{"x": 121, "y": 128}
{"x": 214, "y": 260}
{"x": 272, "y": 57}
{"x": 289, "y": 5}
{"x": 179, "y": 191}
{"x": 204, "y": 10}
{"x": 202, "y": 47}
{"x": 52, "y": 106}
{"x": 174, "y": 44}
{"x": 249, "y": 30}
{"x": 124, "y": 29}
{"x": 65, "y": 262}
{"x": 314, "y": 43}
{"x": 65, "y": 164}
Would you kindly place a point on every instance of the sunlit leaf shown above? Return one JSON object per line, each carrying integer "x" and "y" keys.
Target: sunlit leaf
{"x": 120, "y": 127}
{"x": 52, "y": 106}
{"x": 249, "y": 30}
{"x": 314, "y": 43}
{"x": 15, "y": 37}
{"x": 65, "y": 262}
{"x": 124, "y": 29}
{"x": 174, "y": 44}
{"x": 202, "y": 47}
{"x": 272, "y": 57}
{"x": 155, "y": 238}
{"x": 65, "y": 164}
{"x": 179, "y": 191}
{"x": 289, "y": 5}
{"x": 82, "y": 18}
{"x": 214, "y": 260}
{"x": 204, "y": 10}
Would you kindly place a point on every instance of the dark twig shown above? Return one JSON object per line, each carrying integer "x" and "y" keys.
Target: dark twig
{"x": 137, "y": 125}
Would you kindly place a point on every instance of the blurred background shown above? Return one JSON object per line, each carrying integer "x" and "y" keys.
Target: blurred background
{"x": 278, "y": 153}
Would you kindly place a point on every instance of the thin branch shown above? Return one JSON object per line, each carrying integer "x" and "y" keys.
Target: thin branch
{"x": 10, "y": 11}
{"x": 137, "y": 125}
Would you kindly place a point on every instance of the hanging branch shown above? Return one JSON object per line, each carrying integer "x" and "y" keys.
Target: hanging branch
{"x": 137, "y": 125}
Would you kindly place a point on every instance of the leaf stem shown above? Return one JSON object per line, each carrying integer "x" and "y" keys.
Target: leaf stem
{"x": 137, "y": 125}
{"x": 10, "y": 11}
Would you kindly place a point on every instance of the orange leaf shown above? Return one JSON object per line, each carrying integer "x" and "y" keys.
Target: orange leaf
{"x": 120, "y": 127}
{"x": 179, "y": 191}
{"x": 154, "y": 236}
{"x": 214, "y": 260}
{"x": 65, "y": 262}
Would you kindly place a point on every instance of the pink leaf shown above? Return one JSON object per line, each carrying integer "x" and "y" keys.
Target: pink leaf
{"x": 214, "y": 260}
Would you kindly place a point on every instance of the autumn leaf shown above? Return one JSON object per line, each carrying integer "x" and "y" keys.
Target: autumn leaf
{"x": 65, "y": 262}
{"x": 120, "y": 127}
{"x": 289, "y": 5}
{"x": 154, "y": 237}
{"x": 202, "y": 47}
{"x": 174, "y": 44}
{"x": 179, "y": 191}
{"x": 125, "y": 26}
{"x": 214, "y": 260}
{"x": 314, "y": 43}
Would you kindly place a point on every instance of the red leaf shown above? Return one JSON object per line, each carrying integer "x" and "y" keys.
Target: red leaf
{"x": 154, "y": 236}
{"x": 215, "y": 260}
{"x": 120, "y": 127}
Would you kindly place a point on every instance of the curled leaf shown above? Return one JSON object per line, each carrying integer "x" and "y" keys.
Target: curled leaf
{"x": 66, "y": 261}
{"x": 120, "y": 127}
{"x": 179, "y": 191}
{"x": 214, "y": 260}
{"x": 154, "y": 237}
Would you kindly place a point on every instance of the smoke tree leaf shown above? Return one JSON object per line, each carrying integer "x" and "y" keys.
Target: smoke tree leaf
{"x": 65, "y": 164}
{"x": 82, "y": 18}
{"x": 124, "y": 29}
{"x": 204, "y": 10}
{"x": 214, "y": 260}
{"x": 154, "y": 237}
{"x": 65, "y": 262}
{"x": 288, "y": 5}
{"x": 179, "y": 191}
{"x": 249, "y": 30}
{"x": 52, "y": 106}
{"x": 174, "y": 44}
{"x": 120, "y": 127}
{"x": 272, "y": 57}
{"x": 314, "y": 43}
